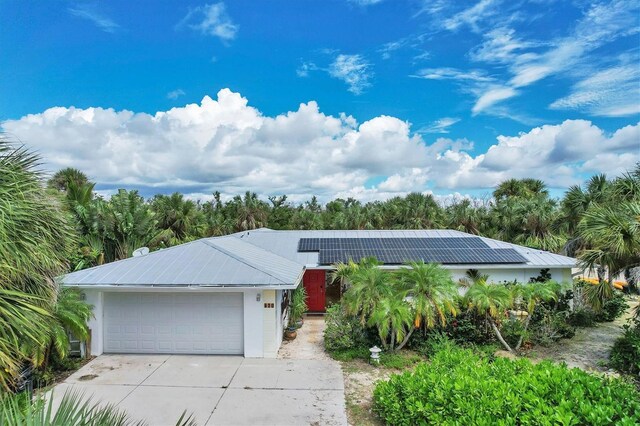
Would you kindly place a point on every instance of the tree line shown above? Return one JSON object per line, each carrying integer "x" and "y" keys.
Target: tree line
{"x": 597, "y": 221}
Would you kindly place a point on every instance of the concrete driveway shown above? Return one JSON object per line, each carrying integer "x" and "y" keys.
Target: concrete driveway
{"x": 218, "y": 390}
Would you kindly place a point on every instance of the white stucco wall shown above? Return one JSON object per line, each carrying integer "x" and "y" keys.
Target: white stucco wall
{"x": 270, "y": 325}
{"x": 521, "y": 275}
{"x": 95, "y": 298}
{"x": 280, "y": 316}
{"x": 253, "y": 324}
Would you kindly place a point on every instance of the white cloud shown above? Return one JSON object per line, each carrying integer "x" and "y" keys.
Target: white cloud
{"x": 501, "y": 46}
{"x": 445, "y": 73}
{"x": 90, "y": 12}
{"x": 175, "y": 94}
{"x": 212, "y": 20}
{"x": 365, "y": 2}
{"x": 227, "y": 145}
{"x": 439, "y": 126}
{"x": 602, "y": 23}
{"x": 306, "y": 67}
{"x": 493, "y": 96}
{"x": 611, "y": 92}
{"x": 353, "y": 70}
{"x": 473, "y": 15}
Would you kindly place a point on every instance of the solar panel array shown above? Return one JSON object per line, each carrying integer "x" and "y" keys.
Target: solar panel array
{"x": 469, "y": 250}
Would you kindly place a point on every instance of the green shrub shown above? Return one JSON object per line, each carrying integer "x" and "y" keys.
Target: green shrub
{"x": 612, "y": 308}
{"x": 625, "y": 354}
{"x": 399, "y": 360}
{"x": 462, "y": 387}
{"x": 432, "y": 343}
{"x": 361, "y": 352}
{"x": 512, "y": 330}
{"x": 582, "y": 317}
{"x": 551, "y": 327}
{"x": 465, "y": 328}
{"x": 343, "y": 332}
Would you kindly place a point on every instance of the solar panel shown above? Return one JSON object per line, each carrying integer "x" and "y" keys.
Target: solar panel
{"x": 449, "y": 250}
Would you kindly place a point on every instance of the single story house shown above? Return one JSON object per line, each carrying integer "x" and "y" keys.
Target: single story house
{"x": 228, "y": 295}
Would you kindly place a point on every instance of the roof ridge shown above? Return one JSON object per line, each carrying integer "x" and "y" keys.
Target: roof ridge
{"x": 211, "y": 244}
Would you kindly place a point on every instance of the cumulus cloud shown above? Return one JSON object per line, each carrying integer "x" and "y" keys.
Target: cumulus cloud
{"x": 211, "y": 20}
{"x": 354, "y": 70}
{"x": 227, "y": 145}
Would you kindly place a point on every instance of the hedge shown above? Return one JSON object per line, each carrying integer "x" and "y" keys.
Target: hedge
{"x": 461, "y": 387}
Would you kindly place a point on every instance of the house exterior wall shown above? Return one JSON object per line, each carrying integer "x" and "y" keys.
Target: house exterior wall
{"x": 269, "y": 325}
{"x": 96, "y": 299}
{"x": 521, "y": 275}
{"x": 281, "y": 316}
{"x": 253, "y": 319}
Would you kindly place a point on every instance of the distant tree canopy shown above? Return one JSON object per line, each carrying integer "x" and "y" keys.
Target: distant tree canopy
{"x": 597, "y": 222}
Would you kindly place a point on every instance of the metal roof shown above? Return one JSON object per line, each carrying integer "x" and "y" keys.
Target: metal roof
{"x": 214, "y": 262}
{"x": 260, "y": 258}
{"x": 285, "y": 244}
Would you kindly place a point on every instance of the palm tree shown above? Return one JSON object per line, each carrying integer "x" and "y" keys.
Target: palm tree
{"x": 70, "y": 314}
{"x": 393, "y": 318}
{"x": 249, "y": 211}
{"x": 491, "y": 301}
{"x": 369, "y": 285}
{"x": 126, "y": 223}
{"x": 176, "y": 214}
{"x": 613, "y": 235}
{"x": 575, "y": 204}
{"x": 432, "y": 291}
{"x": 64, "y": 178}
{"x": 520, "y": 188}
{"x": 528, "y": 296}
{"x": 36, "y": 240}
{"x": 464, "y": 217}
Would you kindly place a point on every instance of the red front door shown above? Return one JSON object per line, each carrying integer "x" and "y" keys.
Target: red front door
{"x": 314, "y": 283}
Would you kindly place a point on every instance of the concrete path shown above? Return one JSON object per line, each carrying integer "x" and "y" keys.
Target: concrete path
{"x": 218, "y": 390}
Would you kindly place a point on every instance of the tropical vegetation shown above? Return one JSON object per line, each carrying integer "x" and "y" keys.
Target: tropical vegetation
{"x": 597, "y": 223}
{"x": 462, "y": 386}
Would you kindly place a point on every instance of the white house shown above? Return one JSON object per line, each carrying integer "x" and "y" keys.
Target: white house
{"x": 228, "y": 295}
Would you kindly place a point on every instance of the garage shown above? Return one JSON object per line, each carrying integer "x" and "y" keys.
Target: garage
{"x": 173, "y": 323}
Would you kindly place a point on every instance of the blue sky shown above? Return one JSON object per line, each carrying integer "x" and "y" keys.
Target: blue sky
{"x": 437, "y": 96}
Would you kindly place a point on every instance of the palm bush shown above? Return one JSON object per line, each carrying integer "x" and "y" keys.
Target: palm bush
{"x": 494, "y": 300}
{"x": 397, "y": 303}
{"x": 36, "y": 240}
{"x": 73, "y": 410}
{"x": 298, "y": 305}
{"x": 70, "y": 314}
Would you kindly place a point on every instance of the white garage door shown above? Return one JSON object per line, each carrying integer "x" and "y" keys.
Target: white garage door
{"x": 175, "y": 323}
